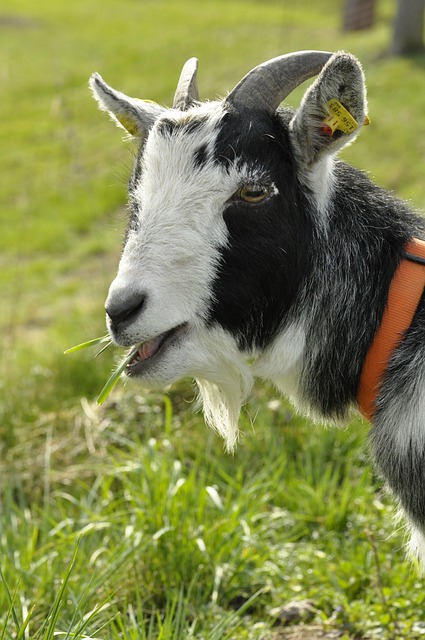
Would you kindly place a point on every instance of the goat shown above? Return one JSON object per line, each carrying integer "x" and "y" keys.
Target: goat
{"x": 251, "y": 251}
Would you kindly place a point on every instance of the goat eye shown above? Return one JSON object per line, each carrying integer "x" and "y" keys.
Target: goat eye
{"x": 252, "y": 193}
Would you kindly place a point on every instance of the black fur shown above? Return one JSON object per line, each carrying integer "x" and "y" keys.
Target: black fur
{"x": 354, "y": 264}
{"x": 133, "y": 203}
{"x": 268, "y": 253}
{"x": 169, "y": 127}
{"x": 279, "y": 262}
{"x": 201, "y": 157}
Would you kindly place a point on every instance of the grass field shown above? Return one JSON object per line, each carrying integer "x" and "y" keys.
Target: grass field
{"x": 128, "y": 521}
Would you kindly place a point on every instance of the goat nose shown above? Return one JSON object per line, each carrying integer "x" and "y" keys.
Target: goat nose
{"x": 124, "y": 308}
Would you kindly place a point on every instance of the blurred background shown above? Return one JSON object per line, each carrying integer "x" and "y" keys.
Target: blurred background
{"x": 63, "y": 170}
{"x": 64, "y": 167}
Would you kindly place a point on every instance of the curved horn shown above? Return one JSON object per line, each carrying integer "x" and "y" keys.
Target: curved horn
{"x": 187, "y": 86}
{"x": 267, "y": 85}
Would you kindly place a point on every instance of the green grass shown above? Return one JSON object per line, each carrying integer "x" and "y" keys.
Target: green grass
{"x": 128, "y": 521}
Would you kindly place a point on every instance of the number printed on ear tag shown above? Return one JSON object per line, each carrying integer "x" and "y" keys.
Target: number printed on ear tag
{"x": 339, "y": 119}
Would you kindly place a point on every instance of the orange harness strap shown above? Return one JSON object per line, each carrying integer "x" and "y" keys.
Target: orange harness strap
{"x": 404, "y": 294}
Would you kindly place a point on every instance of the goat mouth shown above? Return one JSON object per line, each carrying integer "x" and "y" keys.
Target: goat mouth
{"x": 146, "y": 352}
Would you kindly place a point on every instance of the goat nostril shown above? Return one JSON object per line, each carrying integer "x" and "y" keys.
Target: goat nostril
{"x": 124, "y": 310}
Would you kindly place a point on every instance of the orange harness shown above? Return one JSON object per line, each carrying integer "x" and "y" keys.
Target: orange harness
{"x": 404, "y": 294}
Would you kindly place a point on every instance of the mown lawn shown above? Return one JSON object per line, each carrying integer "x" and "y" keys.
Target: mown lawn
{"x": 128, "y": 520}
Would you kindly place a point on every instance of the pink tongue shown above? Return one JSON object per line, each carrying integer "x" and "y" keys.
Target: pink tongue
{"x": 148, "y": 349}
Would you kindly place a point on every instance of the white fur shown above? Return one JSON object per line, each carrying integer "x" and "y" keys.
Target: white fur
{"x": 405, "y": 407}
{"x": 225, "y": 376}
{"x": 320, "y": 183}
{"x": 172, "y": 259}
{"x": 416, "y": 547}
{"x": 281, "y": 362}
{"x": 224, "y": 379}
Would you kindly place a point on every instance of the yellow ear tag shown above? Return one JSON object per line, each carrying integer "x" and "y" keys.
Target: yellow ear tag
{"x": 128, "y": 123}
{"x": 339, "y": 119}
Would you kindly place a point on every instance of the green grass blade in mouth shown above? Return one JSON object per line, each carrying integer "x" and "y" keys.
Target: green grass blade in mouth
{"x": 107, "y": 345}
{"x": 89, "y": 343}
{"x": 115, "y": 377}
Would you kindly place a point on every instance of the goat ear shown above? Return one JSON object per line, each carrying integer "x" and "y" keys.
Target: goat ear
{"x": 137, "y": 117}
{"x": 332, "y": 111}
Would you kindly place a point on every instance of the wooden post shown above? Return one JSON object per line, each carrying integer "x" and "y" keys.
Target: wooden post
{"x": 358, "y": 14}
{"x": 408, "y": 27}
